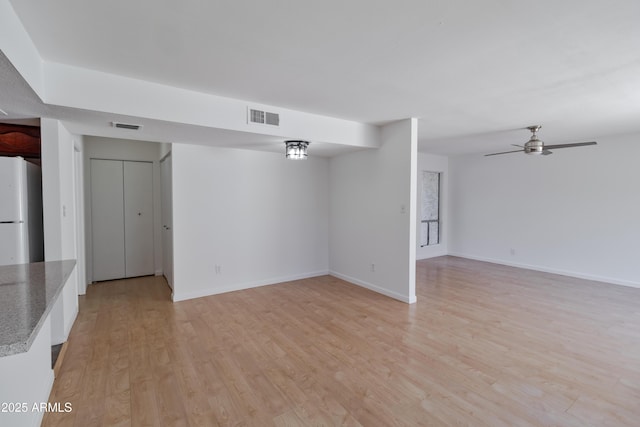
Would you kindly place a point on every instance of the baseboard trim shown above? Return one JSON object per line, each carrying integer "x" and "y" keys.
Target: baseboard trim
{"x": 391, "y": 294}
{"x": 561, "y": 272}
{"x": 182, "y": 296}
{"x": 60, "y": 359}
{"x": 431, "y": 256}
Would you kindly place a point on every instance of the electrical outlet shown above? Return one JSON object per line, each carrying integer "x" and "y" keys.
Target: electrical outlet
{"x": 512, "y": 251}
{"x": 373, "y": 267}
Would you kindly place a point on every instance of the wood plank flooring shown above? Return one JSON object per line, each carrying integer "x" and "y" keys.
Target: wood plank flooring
{"x": 485, "y": 345}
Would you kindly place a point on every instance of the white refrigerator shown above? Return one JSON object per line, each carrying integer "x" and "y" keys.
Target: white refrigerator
{"x": 21, "y": 229}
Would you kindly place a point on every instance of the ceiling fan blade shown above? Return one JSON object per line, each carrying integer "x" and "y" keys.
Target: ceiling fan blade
{"x": 575, "y": 144}
{"x": 516, "y": 145}
{"x": 546, "y": 152}
{"x": 504, "y": 152}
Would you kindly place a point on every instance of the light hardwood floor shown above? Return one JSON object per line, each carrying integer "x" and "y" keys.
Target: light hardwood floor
{"x": 485, "y": 345}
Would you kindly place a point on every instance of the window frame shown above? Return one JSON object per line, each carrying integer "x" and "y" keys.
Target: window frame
{"x": 427, "y": 222}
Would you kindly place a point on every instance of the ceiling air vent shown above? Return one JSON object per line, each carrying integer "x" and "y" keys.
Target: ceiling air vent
{"x": 272, "y": 119}
{"x": 126, "y": 126}
{"x": 261, "y": 117}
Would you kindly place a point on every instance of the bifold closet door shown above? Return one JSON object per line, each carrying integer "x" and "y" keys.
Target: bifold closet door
{"x": 138, "y": 218}
{"x": 107, "y": 220}
{"x": 121, "y": 219}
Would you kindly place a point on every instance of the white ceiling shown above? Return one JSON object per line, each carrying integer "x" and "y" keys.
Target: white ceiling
{"x": 474, "y": 73}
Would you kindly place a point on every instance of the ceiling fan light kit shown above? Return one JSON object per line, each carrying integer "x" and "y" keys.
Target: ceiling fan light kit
{"x": 536, "y": 146}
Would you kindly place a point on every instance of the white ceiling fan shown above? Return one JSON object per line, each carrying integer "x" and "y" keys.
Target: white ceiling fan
{"x": 536, "y": 146}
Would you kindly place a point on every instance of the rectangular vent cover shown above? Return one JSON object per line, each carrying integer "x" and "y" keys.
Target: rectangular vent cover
{"x": 257, "y": 116}
{"x": 263, "y": 117}
{"x": 126, "y": 126}
{"x": 272, "y": 119}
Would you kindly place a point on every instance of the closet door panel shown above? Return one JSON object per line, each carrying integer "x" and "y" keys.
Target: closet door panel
{"x": 138, "y": 218}
{"x": 107, "y": 220}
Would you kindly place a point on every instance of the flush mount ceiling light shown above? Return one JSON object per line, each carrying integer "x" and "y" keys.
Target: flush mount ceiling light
{"x": 296, "y": 149}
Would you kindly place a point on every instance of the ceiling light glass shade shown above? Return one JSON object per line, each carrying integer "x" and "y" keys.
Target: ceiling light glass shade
{"x": 296, "y": 149}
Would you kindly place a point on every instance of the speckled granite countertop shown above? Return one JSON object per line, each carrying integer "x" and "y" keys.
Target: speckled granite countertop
{"x": 27, "y": 294}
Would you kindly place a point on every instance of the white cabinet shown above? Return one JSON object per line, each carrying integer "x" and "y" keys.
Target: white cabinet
{"x": 121, "y": 218}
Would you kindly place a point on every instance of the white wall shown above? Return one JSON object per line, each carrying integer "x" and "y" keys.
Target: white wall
{"x": 122, "y": 149}
{"x": 59, "y": 217}
{"x": 18, "y": 47}
{"x": 81, "y": 249}
{"x": 433, "y": 163}
{"x": 165, "y": 148}
{"x": 575, "y": 212}
{"x": 76, "y": 87}
{"x": 58, "y": 189}
{"x": 373, "y": 214}
{"x": 259, "y": 217}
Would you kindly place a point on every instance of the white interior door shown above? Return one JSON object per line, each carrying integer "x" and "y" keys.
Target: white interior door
{"x": 138, "y": 218}
{"x": 107, "y": 220}
{"x": 167, "y": 219}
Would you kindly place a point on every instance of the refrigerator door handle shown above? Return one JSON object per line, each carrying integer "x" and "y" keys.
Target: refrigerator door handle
{"x": 11, "y": 222}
